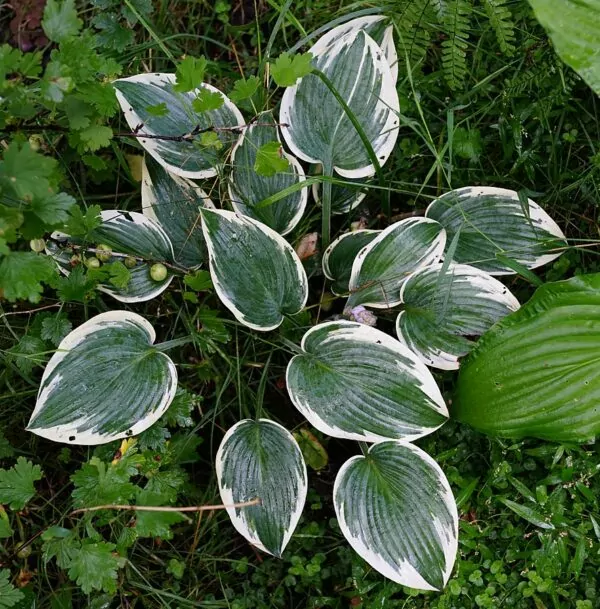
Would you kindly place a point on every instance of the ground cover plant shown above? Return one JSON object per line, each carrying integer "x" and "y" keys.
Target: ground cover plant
{"x": 192, "y": 291}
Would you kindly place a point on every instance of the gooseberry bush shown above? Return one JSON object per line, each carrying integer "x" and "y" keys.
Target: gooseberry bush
{"x": 338, "y": 119}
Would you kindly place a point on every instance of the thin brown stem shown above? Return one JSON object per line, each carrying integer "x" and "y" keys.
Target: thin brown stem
{"x": 156, "y": 508}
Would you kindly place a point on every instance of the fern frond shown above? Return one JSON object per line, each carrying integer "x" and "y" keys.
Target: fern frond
{"x": 413, "y": 29}
{"x": 455, "y": 16}
{"x": 502, "y": 22}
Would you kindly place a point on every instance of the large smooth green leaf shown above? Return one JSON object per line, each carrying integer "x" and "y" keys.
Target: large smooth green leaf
{"x": 181, "y": 150}
{"x": 339, "y": 257}
{"x": 260, "y": 459}
{"x": 536, "y": 372}
{"x": 247, "y": 188}
{"x": 355, "y": 382}
{"x": 315, "y": 125}
{"x": 173, "y": 202}
{"x": 574, "y": 27}
{"x": 444, "y": 309}
{"x": 492, "y": 222}
{"x": 256, "y": 272}
{"x": 396, "y": 510}
{"x": 105, "y": 382}
{"x": 380, "y": 267}
{"x": 128, "y": 234}
{"x": 377, "y": 27}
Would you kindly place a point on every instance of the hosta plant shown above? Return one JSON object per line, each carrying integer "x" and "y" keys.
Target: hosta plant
{"x": 434, "y": 274}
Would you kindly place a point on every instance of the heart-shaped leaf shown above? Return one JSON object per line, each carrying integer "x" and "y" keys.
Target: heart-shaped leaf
{"x": 128, "y": 234}
{"x": 175, "y": 136}
{"x": 396, "y": 510}
{"x": 358, "y": 70}
{"x": 173, "y": 202}
{"x": 445, "y": 308}
{"x": 256, "y": 272}
{"x": 377, "y": 26}
{"x": 380, "y": 267}
{"x": 261, "y": 460}
{"x": 355, "y": 382}
{"x": 535, "y": 373}
{"x": 247, "y": 188}
{"x": 339, "y": 257}
{"x": 492, "y": 222}
{"x": 105, "y": 382}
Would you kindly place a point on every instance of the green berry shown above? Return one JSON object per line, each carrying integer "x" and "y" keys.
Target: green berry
{"x": 37, "y": 245}
{"x": 75, "y": 259}
{"x": 158, "y": 272}
{"x": 104, "y": 252}
{"x": 92, "y": 263}
{"x": 130, "y": 262}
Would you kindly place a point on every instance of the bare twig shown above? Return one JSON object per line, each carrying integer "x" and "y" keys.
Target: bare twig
{"x": 156, "y": 508}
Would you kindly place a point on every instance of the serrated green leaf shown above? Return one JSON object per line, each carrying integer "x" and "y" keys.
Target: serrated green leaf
{"x": 207, "y": 100}
{"x": 60, "y": 20}
{"x": 189, "y": 74}
{"x": 79, "y": 224}
{"x": 97, "y": 483}
{"x": 9, "y": 595}
{"x": 270, "y": 159}
{"x": 22, "y": 275}
{"x": 155, "y": 524}
{"x": 95, "y": 566}
{"x": 16, "y": 483}
{"x": 287, "y": 68}
{"x": 28, "y": 353}
{"x": 244, "y": 89}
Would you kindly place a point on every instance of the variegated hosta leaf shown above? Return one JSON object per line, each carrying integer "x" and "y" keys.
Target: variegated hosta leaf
{"x": 401, "y": 249}
{"x": 340, "y": 255}
{"x": 260, "y": 459}
{"x": 140, "y": 95}
{"x": 396, "y": 510}
{"x": 492, "y": 221}
{"x": 443, "y": 312}
{"x": 256, "y": 272}
{"x": 536, "y": 372}
{"x": 247, "y": 188}
{"x": 343, "y": 198}
{"x": 378, "y": 27}
{"x": 127, "y": 233}
{"x": 318, "y": 129}
{"x": 105, "y": 382}
{"x": 355, "y": 382}
{"x": 173, "y": 202}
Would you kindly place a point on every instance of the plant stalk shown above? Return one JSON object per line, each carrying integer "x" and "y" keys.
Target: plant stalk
{"x": 326, "y": 205}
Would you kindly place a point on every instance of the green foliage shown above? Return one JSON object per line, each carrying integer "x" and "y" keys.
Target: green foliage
{"x": 190, "y": 74}
{"x": 60, "y": 20}
{"x": 9, "y": 595}
{"x": 17, "y": 483}
{"x": 287, "y": 68}
{"x": 269, "y": 159}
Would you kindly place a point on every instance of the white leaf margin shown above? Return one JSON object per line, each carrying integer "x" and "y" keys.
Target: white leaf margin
{"x": 292, "y": 160}
{"x": 435, "y": 254}
{"x": 107, "y": 216}
{"x": 150, "y": 146}
{"x": 327, "y": 253}
{"x": 388, "y": 100}
{"x": 238, "y": 521}
{"x": 538, "y": 216}
{"x": 360, "y": 23}
{"x": 407, "y": 575}
{"x": 483, "y": 284}
{"x": 378, "y": 339}
{"x": 61, "y": 433}
{"x": 282, "y": 245}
